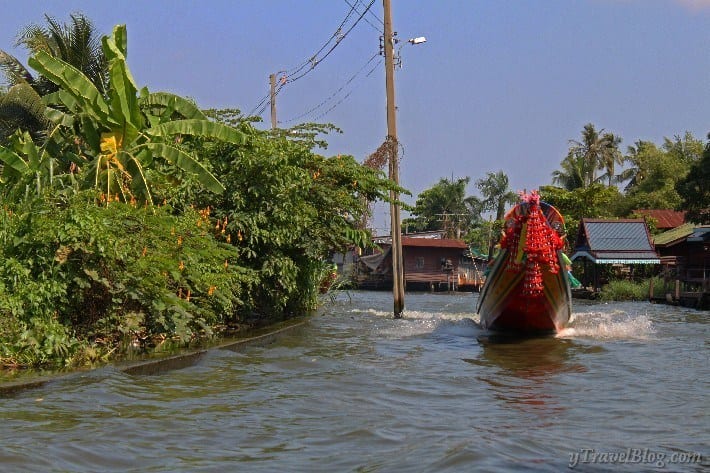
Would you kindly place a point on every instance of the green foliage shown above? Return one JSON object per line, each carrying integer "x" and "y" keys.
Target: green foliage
{"x": 286, "y": 209}
{"x": 76, "y": 43}
{"x": 113, "y": 273}
{"x": 117, "y": 139}
{"x": 445, "y": 206}
{"x": 625, "y": 290}
{"x": 655, "y": 171}
{"x": 694, "y": 189}
{"x": 22, "y": 108}
{"x": 496, "y": 193}
{"x": 496, "y": 196}
{"x": 27, "y": 168}
{"x": 594, "y": 201}
{"x": 596, "y": 151}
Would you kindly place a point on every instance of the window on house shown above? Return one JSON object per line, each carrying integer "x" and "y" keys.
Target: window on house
{"x": 419, "y": 262}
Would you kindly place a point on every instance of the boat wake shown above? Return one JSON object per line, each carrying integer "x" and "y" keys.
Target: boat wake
{"x": 417, "y": 323}
{"x": 609, "y": 325}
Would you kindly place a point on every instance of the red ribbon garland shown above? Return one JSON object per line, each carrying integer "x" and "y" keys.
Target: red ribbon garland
{"x": 541, "y": 244}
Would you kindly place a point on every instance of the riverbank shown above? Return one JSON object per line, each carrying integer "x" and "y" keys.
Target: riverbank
{"x": 151, "y": 365}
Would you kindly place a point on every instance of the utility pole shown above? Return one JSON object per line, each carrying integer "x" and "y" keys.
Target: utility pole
{"x": 272, "y": 83}
{"x": 396, "y": 232}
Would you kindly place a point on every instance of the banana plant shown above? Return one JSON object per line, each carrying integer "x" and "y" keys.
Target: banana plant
{"x": 124, "y": 133}
{"x": 25, "y": 166}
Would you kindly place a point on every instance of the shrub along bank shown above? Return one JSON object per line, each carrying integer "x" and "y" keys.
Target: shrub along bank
{"x": 135, "y": 218}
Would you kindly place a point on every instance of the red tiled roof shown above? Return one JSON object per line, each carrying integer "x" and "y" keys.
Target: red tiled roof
{"x": 434, "y": 243}
{"x": 665, "y": 218}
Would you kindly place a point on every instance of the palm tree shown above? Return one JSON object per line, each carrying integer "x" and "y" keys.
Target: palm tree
{"x": 596, "y": 151}
{"x": 638, "y": 156}
{"x": 496, "y": 196}
{"x": 76, "y": 43}
{"x": 610, "y": 156}
{"x": 573, "y": 172}
{"x": 444, "y": 206}
{"x": 21, "y": 108}
{"x": 496, "y": 193}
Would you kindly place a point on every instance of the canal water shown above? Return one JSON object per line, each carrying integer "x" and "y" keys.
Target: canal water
{"x": 625, "y": 388}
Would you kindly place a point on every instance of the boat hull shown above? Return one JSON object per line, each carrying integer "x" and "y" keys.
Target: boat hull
{"x": 527, "y": 290}
{"x": 503, "y": 304}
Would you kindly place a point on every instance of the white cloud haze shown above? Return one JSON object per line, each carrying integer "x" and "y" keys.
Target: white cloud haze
{"x": 695, "y": 4}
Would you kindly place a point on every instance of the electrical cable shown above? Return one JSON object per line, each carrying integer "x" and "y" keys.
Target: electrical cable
{"x": 376, "y": 28}
{"x": 311, "y": 59}
{"x": 261, "y": 105}
{"x": 315, "y": 62}
{"x": 346, "y": 95}
{"x": 334, "y": 94}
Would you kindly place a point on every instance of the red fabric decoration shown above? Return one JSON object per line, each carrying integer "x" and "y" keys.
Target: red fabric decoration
{"x": 540, "y": 246}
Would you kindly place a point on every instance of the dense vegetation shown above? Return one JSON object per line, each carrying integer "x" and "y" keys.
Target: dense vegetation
{"x": 129, "y": 218}
{"x": 595, "y": 180}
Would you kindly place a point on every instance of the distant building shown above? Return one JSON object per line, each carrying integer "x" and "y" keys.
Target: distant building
{"x": 664, "y": 219}
{"x": 685, "y": 262}
{"x": 430, "y": 263}
{"x": 612, "y": 248}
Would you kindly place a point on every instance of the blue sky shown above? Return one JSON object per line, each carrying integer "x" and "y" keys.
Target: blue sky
{"x": 499, "y": 84}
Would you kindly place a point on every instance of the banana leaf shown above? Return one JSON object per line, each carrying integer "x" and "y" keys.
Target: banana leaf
{"x": 201, "y": 128}
{"x": 13, "y": 160}
{"x": 187, "y": 163}
{"x": 73, "y": 81}
{"x": 170, "y": 101}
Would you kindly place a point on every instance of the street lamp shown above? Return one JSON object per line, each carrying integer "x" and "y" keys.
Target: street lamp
{"x": 396, "y": 223}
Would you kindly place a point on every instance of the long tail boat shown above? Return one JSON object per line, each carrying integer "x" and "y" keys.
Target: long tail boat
{"x": 527, "y": 290}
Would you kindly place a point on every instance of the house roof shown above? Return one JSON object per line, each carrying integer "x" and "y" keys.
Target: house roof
{"x": 700, "y": 234}
{"x": 434, "y": 243}
{"x": 615, "y": 241}
{"x": 673, "y": 236}
{"x": 665, "y": 219}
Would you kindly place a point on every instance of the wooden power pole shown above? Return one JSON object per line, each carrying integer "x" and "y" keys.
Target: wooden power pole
{"x": 272, "y": 83}
{"x": 396, "y": 230}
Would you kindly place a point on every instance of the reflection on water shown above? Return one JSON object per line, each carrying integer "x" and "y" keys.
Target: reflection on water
{"x": 538, "y": 357}
{"x": 520, "y": 371}
{"x": 356, "y": 390}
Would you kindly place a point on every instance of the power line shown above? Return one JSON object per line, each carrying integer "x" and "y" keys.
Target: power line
{"x": 312, "y": 59}
{"x": 376, "y": 28}
{"x": 334, "y": 94}
{"x": 375, "y": 67}
{"x": 314, "y": 62}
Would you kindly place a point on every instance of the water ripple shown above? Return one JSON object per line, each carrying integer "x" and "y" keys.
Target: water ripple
{"x": 356, "y": 390}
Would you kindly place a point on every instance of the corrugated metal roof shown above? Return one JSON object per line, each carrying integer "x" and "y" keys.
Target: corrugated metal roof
{"x": 617, "y": 235}
{"x": 635, "y": 257}
{"x": 700, "y": 234}
{"x": 615, "y": 241}
{"x": 665, "y": 219}
{"x": 674, "y": 235}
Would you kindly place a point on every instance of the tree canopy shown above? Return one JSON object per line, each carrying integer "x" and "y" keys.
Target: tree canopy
{"x": 598, "y": 150}
{"x": 446, "y": 207}
{"x": 694, "y": 189}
